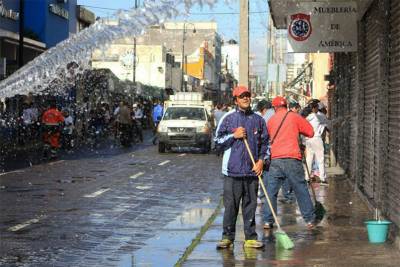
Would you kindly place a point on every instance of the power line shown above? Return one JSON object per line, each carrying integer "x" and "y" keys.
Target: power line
{"x": 228, "y": 13}
{"x": 196, "y": 14}
{"x": 105, "y": 8}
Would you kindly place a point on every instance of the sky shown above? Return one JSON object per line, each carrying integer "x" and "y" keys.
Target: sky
{"x": 228, "y": 24}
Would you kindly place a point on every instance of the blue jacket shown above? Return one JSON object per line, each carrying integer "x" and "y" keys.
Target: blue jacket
{"x": 157, "y": 113}
{"x": 236, "y": 160}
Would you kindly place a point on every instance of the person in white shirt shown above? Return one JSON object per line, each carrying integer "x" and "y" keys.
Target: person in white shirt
{"x": 68, "y": 131}
{"x": 29, "y": 115}
{"x": 138, "y": 112}
{"x": 315, "y": 145}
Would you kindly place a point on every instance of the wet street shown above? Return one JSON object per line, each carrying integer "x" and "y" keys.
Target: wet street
{"x": 111, "y": 207}
{"x": 136, "y": 207}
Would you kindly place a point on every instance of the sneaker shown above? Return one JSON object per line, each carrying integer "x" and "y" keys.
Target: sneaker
{"x": 324, "y": 183}
{"x": 268, "y": 225}
{"x": 253, "y": 244}
{"x": 224, "y": 243}
{"x": 312, "y": 225}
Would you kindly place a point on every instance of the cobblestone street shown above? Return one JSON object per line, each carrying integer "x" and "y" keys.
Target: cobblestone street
{"x": 106, "y": 208}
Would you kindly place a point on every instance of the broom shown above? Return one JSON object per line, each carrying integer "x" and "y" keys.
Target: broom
{"x": 319, "y": 208}
{"x": 282, "y": 239}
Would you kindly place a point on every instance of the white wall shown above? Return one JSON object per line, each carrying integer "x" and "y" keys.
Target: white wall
{"x": 232, "y": 52}
{"x": 151, "y": 68}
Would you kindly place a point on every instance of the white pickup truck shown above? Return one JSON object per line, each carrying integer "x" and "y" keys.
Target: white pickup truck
{"x": 186, "y": 123}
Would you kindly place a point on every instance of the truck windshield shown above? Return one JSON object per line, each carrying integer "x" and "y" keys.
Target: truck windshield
{"x": 184, "y": 113}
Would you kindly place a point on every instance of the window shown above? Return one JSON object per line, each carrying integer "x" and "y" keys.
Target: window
{"x": 184, "y": 113}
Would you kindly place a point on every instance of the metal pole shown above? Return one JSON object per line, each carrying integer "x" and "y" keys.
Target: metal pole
{"x": 183, "y": 56}
{"x": 244, "y": 43}
{"x": 134, "y": 53}
{"x": 21, "y": 34}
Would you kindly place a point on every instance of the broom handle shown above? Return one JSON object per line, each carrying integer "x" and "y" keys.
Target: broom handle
{"x": 262, "y": 185}
{"x": 309, "y": 177}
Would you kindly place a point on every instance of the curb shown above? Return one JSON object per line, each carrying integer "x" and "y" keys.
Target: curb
{"x": 198, "y": 237}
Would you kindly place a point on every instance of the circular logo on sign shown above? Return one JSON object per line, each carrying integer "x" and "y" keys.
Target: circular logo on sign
{"x": 300, "y": 27}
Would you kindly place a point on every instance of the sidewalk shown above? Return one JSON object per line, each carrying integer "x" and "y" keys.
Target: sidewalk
{"x": 340, "y": 240}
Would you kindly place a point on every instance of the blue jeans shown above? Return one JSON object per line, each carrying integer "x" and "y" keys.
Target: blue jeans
{"x": 291, "y": 170}
{"x": 287, "y": 190}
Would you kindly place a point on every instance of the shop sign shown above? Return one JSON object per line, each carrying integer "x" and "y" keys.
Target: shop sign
{"x": 8, "y": 13}
{"x": 59, "y": 11}
{"x": 322, "y": 27}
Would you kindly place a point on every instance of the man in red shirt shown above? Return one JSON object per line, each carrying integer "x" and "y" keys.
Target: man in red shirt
{"x": 52, "y": 120}
{"x": 284, "y": 128}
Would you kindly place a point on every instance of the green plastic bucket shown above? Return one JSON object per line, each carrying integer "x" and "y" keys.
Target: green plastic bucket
{"x": 377, "y": 231}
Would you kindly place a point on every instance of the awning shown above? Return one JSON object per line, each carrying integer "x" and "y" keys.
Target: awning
{"x": 278, "y": 9}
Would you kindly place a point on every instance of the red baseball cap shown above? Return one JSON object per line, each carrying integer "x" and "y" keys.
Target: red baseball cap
{"x": 279, "y": 101}
{"x": 240, "y": 90}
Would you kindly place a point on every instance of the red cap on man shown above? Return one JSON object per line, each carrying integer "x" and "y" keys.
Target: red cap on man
{"x": 279, "y": 101}
{"x": 240, "y": 90}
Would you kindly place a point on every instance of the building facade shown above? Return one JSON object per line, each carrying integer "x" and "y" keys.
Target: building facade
{"x": 51, "y": 20}
{"x": 230, "y": 58}
{"x": 154, "y": 65}
{"x": 9, "y": 39}
{"x": 187, "y": 38}
{"x": 46, "y": 23}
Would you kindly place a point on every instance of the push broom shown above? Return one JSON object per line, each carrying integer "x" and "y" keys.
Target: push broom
{"x": 282, "y": 239}
{"x": 319, "y": 208}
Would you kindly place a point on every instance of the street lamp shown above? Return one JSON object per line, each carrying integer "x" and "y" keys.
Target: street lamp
{"x": 183, "y": 52}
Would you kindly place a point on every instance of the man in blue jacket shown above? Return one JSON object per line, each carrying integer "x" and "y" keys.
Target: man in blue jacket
{"x": 240, "y": 181}
{"x": 157, "y": 114}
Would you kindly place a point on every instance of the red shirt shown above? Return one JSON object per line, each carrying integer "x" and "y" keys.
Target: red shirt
{"x": 286, "y": 143}
{"x": 52, "y": 117}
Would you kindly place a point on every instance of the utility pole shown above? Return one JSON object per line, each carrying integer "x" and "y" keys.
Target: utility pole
{"x": 134, "y": 53}
{"x": 183, "y": 58}
{"x": 244, "y": 43}
{"x": 270, "y": 55}
{"x": 21, "y": 34}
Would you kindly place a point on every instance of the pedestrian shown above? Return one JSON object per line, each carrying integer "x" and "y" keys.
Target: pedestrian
{"x": 265, "y": 110}
{"x": 315, "y": 145}
{"x": 240, "y": 176}
{"x": 30, "y": 116}
{"x": 137, "y": 121}
{"x": 69, "y": 129}
{"x": 218, "y": 113}
{"x": 284, "y": 128}
{"x": 52, "y": 120}
{"x": 125, "y": 124}
{"x": 156, "y": 115}
{"x": 294, "y": 107}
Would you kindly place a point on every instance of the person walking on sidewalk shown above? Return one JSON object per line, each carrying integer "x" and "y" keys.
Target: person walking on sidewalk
{"x": 315, "y": 144}
{"x": 284, "y": 128}
{"x": 240, "y": 181}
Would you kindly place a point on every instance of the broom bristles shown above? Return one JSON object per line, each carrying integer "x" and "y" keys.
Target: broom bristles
{"x": 319, "y": 211}
{"x": 283, "y": 240}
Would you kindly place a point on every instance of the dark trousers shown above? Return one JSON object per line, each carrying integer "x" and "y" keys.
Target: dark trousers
{"x": 238, "y": 189}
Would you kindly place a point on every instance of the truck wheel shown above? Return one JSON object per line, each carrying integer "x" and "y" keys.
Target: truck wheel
{"x": 161, "y": 147}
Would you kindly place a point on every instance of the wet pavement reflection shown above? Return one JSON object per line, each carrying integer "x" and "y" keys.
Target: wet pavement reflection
{"x": 339, "y": 240}
{"x": 166, "y": 248}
